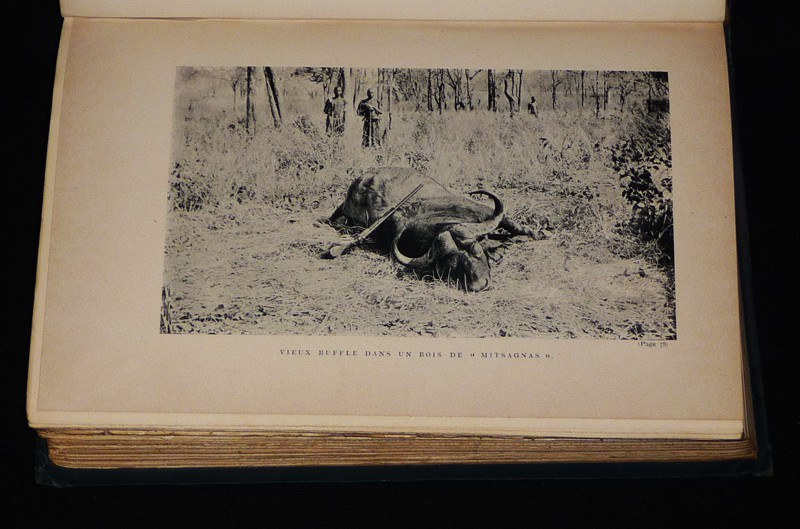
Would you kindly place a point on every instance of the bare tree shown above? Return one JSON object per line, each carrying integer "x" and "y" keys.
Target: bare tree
{"x": 440, "y": 93}
{"x": 510, "y": 90}
{"x": 342, "y": 83}
{"x": 357, "y": 76}
{"x": 492, "y": 90}
{"x": 596, "y": 94}
{"x": 626, "y": 84}
{"x": 408, "y": 84}
{"x": 583, "y": 88}
{"x": 234, "y": 80}
{"x": 380, "y": 88}
{"x": 430, "y": 90}
{"x": 249, "y": 122}
{"x": 272, "y": 96}
{"x": 385, "y": 89}
{"x": 468, "y": 79}
{"x": 454, "y": 79}
{"x": 556, "y": 80}
{"x": 389, "y": 91}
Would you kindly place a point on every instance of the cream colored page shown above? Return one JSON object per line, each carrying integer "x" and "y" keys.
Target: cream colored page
{"x": 98, "y": 356}
{"x": 537, "y": 10}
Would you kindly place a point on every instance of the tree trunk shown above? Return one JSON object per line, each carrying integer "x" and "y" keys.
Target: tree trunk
{"x": 234, "y": 100}
{"x": 275, "y": 106}
{"x": 379, "y": 95}
{"x": 272, "y": 96}
{"x": 343, "y": 94}
{"x": 469, "y": 92}
{"x": 270, "y": 99}
{"x": 456, "y": 96}
{"x": 430, "y": 90}
{"x": 249, "y": 119}
{"x": 508, "y": 95}
{"x": 492, "y": 89}
{"x": 388, "y": 80}
{"x": 596, "y": 94}
{"x": 440, "y": 100}
{"x": 454, "y": 78}
{"x": 356, "y": 86}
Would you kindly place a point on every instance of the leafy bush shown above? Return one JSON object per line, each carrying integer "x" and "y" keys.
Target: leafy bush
{"x": 643, "y": 164}
{"x": 187, "y": 192}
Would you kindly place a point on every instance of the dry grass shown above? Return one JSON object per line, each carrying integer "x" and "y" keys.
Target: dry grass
{"x": 245, "y": 258}
{"x": 259, "y": 272}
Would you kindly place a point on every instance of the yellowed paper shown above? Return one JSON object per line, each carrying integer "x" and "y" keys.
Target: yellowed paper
{"x": 537, "y": 10}
{"x": 98, "y": 357}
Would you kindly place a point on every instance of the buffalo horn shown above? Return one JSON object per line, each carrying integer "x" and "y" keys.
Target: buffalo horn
{"x": 423, "y": 261}
{"x": 473, "y": 230}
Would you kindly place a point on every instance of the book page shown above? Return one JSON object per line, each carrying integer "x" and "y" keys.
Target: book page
{"x": 538, "y": 10}
{"x": 181, "y": 282}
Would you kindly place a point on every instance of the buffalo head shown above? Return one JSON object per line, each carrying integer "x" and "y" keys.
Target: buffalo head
{"x": 450, "y": 249}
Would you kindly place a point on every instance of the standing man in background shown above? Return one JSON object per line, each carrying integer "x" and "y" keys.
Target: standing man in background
{"x": 370, "y": 137}
{"x": 335, "y": 113}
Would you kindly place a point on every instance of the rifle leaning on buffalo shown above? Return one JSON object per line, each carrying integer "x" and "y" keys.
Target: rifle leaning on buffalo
{"x": 338, "y": 249}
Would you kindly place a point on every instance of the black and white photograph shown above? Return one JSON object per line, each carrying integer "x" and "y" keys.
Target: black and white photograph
{"x": 436, "y": 202}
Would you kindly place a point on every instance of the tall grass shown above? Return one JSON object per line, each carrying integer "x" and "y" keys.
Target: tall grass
{"x": 567, "y": 169}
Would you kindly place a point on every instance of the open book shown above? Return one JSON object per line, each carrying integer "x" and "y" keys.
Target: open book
{"x": 204, "y": 297}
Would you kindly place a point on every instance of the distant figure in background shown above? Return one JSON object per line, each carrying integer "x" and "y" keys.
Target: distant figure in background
{"x": 371, "y": 116}
{"x": 335, "y": 113}
{"x": 532, "y": 110}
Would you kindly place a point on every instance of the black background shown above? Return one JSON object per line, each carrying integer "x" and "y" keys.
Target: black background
{"x": 765, "y": 52}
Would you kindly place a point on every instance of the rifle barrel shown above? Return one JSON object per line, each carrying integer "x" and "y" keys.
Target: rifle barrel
{"x": 338, "y": 249}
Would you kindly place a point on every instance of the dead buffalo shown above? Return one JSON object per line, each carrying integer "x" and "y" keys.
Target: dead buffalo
{"x": 436, "y": 231}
